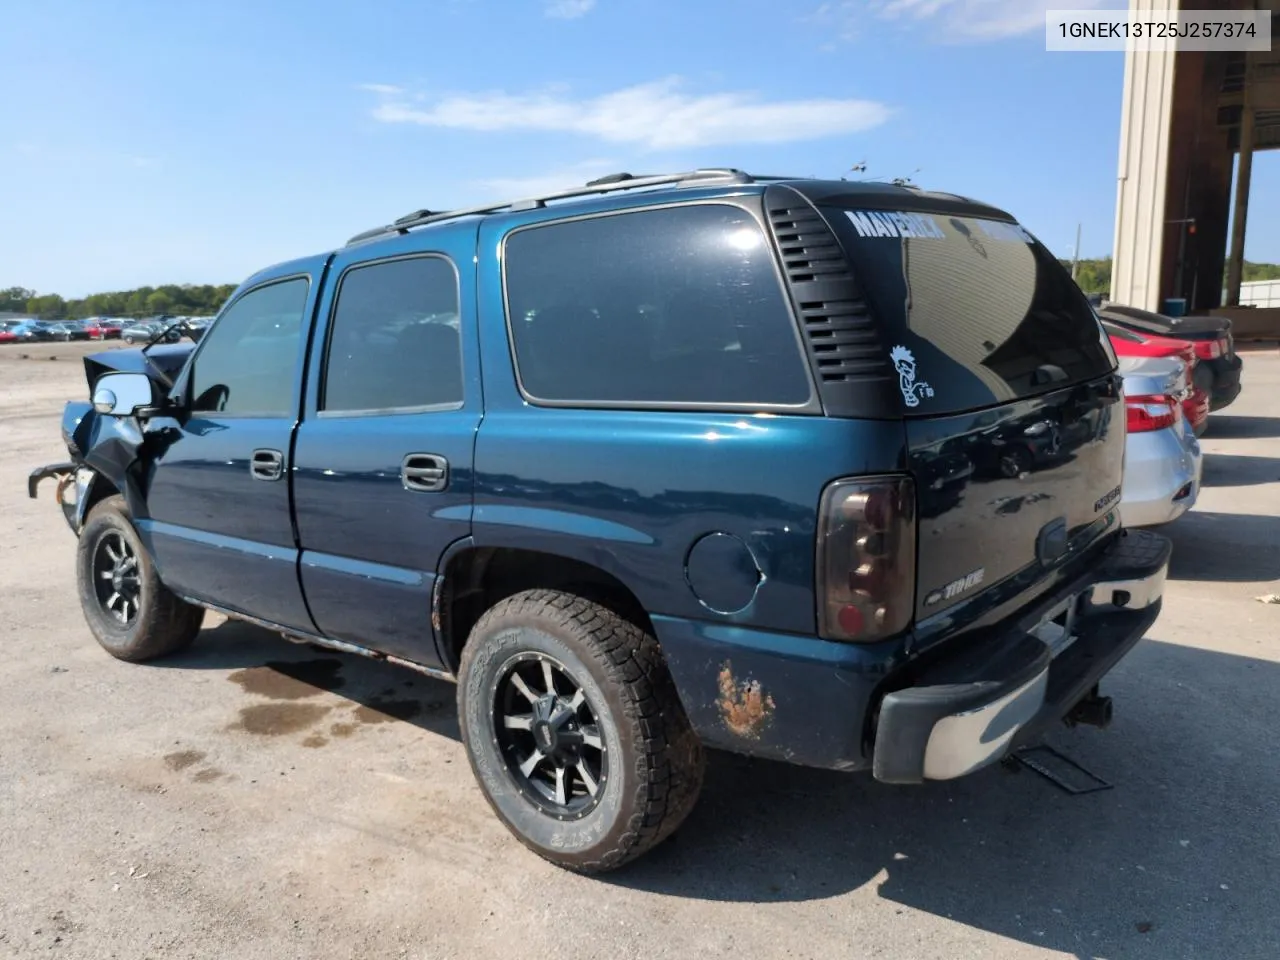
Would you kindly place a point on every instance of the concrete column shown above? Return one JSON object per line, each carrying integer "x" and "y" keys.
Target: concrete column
{"x": 1145, "y": 123}
{"x": 1240, "y": 211}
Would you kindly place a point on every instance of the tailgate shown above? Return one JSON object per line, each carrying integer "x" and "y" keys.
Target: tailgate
{"x": 1005, "y": 488}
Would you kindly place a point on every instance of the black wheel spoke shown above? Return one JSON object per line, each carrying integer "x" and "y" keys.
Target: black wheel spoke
{"x": 550, "y": 737}
{"x": 116, "y": 578}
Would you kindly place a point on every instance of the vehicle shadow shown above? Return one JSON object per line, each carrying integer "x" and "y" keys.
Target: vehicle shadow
{"x": 1224, "y": 547}
{"x": 288, "y": 675}
{"x": 1172, "y": 860}
{"x": 1224, "y": 426}
{"x": 1169, "y": 861}
{"x": 1224, "y": 470}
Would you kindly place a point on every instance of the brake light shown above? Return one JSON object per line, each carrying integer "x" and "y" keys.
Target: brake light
{"x": 1208, "y": 349}
{"x": 1152, "y": 412}
{"x": 866, "y": 571}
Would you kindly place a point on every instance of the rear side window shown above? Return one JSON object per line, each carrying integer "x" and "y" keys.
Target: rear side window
{"x": 977, "y": 311}
{"x": 394, "y": 342}
{"x": 679, "y": 306}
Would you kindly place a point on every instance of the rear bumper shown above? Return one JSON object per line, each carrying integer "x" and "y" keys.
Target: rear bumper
{"x": 814, "y": 702}
{"x": 1161, "y": 476}
{"x": 969, "y": 709}
{"x": 1226, "y": 381}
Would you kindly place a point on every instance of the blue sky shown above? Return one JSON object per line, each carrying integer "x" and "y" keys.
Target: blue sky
{"x": 191, "y": 142}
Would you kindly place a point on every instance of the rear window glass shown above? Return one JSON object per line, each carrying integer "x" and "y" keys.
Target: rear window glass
{"x": 977, "y": 311}
{"x": 681, "y": 305}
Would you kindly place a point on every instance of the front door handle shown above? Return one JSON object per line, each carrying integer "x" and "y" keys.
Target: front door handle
{"x": 424, "y": 473}
{"x": 266, "y": 465}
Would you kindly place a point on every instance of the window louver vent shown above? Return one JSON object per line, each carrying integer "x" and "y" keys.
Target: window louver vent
{"x": 842, "y": 335}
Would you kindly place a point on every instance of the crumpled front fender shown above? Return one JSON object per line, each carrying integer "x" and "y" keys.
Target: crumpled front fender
{"x": 103, "y": 449}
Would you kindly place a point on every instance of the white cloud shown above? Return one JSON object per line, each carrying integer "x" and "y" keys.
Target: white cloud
{"x": 956, "y": 21}
{"x": 656, "y": 115}
{"x": 568, "y": 9}
{"x": 386, "y": 89}
{"x": 572, "y": 175}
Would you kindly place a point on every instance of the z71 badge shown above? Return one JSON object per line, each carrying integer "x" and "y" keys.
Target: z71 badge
{"x": 956, "y": 587}
{"x": 1106, "y": 500}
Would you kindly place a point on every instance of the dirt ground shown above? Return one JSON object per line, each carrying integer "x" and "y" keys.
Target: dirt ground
{"x": 255, "y": 799}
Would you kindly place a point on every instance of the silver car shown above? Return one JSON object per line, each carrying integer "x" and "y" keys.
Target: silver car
{"x": 1162, "y": 462}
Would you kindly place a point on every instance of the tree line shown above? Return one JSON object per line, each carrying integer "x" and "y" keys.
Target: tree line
{"x": 1094, "y": 276}
{"x": 194, "y": 300}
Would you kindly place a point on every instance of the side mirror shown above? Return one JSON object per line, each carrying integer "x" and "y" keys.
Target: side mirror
{"x": 123, "y": 394}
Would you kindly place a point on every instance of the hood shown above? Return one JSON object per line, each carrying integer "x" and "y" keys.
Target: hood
{"x": 161, "y": 363}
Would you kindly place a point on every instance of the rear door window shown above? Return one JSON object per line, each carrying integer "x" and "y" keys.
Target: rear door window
{"x": 977, "y": 311}
{"x": 679, "y": 306}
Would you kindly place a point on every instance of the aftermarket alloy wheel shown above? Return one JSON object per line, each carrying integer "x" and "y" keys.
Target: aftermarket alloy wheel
{"x": 130, "y": 612}
{"x": 574, "y": 730}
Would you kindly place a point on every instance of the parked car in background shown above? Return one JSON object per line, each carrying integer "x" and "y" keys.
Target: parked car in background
{"x": 1210, "y": 336}
{"x": 91, "y": 327}
{"x": 7, "y": 333}
{"x": 111, "y": 327}
{"x": 1127, "y": 343}
{"x": 26, "y": 330}
{"x": 143, "y": 331}
{"x": 63, "y": 331}
{"x": 1163, "y": 462}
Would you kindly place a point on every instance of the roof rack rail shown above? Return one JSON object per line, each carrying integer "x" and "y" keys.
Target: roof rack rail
{"x": 607, "y": 184}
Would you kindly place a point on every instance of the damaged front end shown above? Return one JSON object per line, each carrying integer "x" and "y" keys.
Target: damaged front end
{"x": 103, "y": 444}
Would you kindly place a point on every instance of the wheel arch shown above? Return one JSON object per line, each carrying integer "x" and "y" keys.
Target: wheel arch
{"x": 474, "y": 578}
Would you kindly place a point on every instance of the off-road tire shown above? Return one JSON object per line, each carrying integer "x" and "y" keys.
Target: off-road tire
{"x": 163, "y": 623}
{"x": 655, "y": 759}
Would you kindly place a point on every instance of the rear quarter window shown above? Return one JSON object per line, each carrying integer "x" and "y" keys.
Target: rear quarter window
{"x": 978, "y": 311}
{"x": 679, "y": 306}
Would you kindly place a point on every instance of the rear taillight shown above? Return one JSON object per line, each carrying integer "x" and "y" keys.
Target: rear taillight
{"x": 1152, "y": 412}
{"x": 866, "y": 558}
{"x": 1208, "y": 349}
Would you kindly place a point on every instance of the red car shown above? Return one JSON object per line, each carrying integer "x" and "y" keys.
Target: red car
{"x": 111, "y": 329}
{"x": 1129, "y": 343}
{"x": 8, "y": 336}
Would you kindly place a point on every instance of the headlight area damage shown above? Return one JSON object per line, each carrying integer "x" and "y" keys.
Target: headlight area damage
{"x": 104, "y": 450}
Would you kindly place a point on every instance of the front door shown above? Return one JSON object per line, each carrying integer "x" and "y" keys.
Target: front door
{"x": 220, "y": 524}
{"x": 383, "y": 464}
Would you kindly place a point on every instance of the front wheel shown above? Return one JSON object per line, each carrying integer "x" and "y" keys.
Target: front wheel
{"x": 130, "y": 612}
{"x": 574, "y": 730}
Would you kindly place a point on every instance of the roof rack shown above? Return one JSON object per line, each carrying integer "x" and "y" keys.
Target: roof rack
{"x": 608, "y": 184}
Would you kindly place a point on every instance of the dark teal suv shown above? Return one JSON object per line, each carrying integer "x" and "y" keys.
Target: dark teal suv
{"x": 657, "y": 464}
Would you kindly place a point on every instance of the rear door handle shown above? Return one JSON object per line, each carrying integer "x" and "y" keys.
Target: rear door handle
{"x": 424, "y": 472}
{"x": 266, "y": 465}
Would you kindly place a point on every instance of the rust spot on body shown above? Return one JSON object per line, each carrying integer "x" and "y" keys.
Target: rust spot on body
{"x": 745, "y": 706}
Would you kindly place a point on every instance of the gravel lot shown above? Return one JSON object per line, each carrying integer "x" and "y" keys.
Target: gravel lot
{"x": 257, "y": 799}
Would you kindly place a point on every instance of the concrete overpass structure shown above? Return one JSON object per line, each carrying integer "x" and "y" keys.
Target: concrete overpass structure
{"x": 1186, "y": 116}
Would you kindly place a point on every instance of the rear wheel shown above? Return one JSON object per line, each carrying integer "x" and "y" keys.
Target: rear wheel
{"x": 130, "y": 612}
{"x": 574, "y": 730}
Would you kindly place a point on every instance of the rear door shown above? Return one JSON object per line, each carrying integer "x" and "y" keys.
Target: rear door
{"x": 1014, "y": 419}
{"x": 383, "y": 464}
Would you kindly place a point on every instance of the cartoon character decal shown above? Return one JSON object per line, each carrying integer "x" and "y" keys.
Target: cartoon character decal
{"x": 905, "y": 363}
